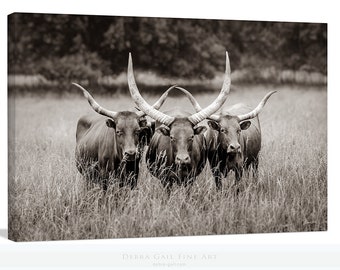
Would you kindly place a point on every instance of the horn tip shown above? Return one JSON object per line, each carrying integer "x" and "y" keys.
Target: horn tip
{"x": 130, "y": 62}
{"x": 227, "y": 63}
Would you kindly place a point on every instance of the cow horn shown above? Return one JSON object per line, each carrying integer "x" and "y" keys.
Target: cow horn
{"x": 193, "y": 101}
{"x": 95, "y": 106}
{"x": 159, "y": 102}
{"x": 215, "y": 117}
{"x": 257, "y": 110}
{"x": 195, "y": 104}
{"x": 141, "y": 103}
{"x": 218, "y": 102}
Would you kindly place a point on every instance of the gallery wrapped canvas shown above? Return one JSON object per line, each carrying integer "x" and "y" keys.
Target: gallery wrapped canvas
{"x": 125, "y": 127}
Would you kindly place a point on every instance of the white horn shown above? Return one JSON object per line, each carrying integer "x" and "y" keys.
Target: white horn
{"x": 192, "y": 100}
{"x": 257, "y": 110}
{"x": 218, "y": 102}
{"x": 95, "y": 106}
{"x": 159, "y": 102}
{"x": 141, "y": 103}
{"x": 196, "y": 105}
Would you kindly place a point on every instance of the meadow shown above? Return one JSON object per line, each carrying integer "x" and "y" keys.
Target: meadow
{"x": 48, "y": 198}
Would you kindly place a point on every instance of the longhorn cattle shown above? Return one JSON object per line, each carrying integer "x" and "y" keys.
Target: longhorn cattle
{"x": 234, "y": 140}
{"x": 177, "y": 150}
{"x": 110, "y": 143}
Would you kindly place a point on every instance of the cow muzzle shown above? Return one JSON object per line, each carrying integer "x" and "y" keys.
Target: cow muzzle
{"x": 182, "y": 159}
{"x": 130, "y": 155}
{"x": 234, "y": 148}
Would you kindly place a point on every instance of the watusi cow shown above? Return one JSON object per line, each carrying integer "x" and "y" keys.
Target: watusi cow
{"x": 110, "y": 143}
{"x": 177, "y": 150}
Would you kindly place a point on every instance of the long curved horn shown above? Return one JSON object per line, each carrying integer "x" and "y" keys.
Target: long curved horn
{"x": 218, "y": 102}
{"x": 191, "y": 98}
{"x": 95, "y": 106}
{"x": 196, "y": 105}
{"x": 215, "y": 117}
{"x": 257, "y": 110}
{"x": 141, "y": 103}
{"x": 159, "y": 102}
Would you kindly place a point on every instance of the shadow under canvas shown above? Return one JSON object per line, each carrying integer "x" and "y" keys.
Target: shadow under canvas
{"x": 4, "y": 233}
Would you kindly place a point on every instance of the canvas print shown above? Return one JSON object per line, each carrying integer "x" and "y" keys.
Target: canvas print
{"x": 125, "y": 127}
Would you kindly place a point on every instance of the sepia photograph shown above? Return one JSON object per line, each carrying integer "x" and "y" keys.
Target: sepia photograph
{"x": 134, "y": 127}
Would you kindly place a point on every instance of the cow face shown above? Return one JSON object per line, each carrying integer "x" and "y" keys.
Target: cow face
{"x": 182, "y": 134}
{"x": 130, "y": 131}
{"x": 229, "y": 133}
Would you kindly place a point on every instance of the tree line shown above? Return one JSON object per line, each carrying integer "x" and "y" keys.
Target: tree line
{"x": 65, "y": 47}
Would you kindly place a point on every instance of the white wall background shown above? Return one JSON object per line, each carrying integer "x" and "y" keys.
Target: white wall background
{"x": 288, "y": 251}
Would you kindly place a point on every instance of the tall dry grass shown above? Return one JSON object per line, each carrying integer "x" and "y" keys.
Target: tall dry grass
{"x": 48, "y": 199}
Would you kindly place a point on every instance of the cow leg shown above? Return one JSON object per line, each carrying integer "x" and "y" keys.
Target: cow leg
{"x": 135, "y": 174}
{"x": 188, "y": 183}
{"x": 255, "y": 167}
{"x": 128, "y": 179}
{"x": 238, "y": 174}
{"x": 131, "y": 172}
{"x": 104, "y": 183}
{"x": 218, "y": 178}
{"x": 104, "y": 179}
{"x": 215, "y": 169}
{"x": 133, "y": 181}
{"x": 168, "y": 186}
{"x": 252, "y": 167}
{"x": 167, "y": 183}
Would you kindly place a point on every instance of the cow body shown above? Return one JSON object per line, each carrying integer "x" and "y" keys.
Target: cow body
{"x": 179, "y": 156}
{"x": 245, "y": 138}
{"x": 101, "y": 151}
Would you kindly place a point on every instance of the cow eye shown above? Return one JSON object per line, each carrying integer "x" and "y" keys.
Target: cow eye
{"x": 172, "y": 138}
{"x": 119, "y": 133}
{"x": 191, "y": 138}
{"x": 223, "y": 130}
{"x": 238, "y": 131}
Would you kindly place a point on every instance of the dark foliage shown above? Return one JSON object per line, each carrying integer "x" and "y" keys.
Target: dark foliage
{"x": 66, "y": 47}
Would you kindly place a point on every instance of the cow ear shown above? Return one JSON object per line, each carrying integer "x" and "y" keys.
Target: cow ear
{"x": 164, "y": 130}
{"x": 199, "y": 130}
{"x": 214, "y": 125}
{"x": 142, "y": 122}
{"x": 110, "y": 123}
{"x": 245, "y": 125}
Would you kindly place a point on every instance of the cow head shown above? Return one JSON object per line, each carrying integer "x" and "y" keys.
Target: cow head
{"x": 181, "y": 133}
{"x": 229, "y": 132}
{"x": 229, "y": 127}
{"x": 180, "y": 130}
{"x": 132, "y": 129}
{"x": 128, "y": 127}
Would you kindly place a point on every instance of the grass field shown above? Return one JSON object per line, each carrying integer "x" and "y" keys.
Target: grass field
{"x": 48, "y": 199}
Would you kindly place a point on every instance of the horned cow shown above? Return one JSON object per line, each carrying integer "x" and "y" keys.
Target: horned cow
{"x": 111, "y": 142}
{"x": 177, "y": 150}
{"x": 234, "y": 140}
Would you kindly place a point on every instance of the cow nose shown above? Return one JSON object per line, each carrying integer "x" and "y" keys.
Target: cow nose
{"x": 182, "y": 159}
{"x": 130, "y": 152}
{"x": 234, "y": 148}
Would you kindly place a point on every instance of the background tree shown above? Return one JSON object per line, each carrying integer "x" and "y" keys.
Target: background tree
{"x": 63, "y": 47}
